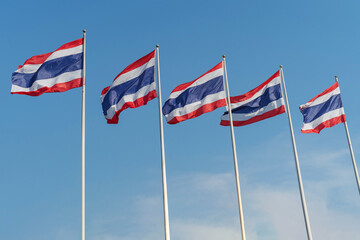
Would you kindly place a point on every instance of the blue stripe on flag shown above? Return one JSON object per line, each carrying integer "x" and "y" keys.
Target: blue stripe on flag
{"x": 49, "y": 69}
{"x": 130, "y": 87}
{"x": 271, "y": 94}
{"x": 312, "y": 113}
{"x": 194, "y": 94}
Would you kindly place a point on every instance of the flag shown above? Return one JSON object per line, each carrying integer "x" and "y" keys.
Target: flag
{"x": 262, "y": 102}
{"x": 132, "y": 88}
{"x": 56, "y": 71}
{"x": 323, "y": 111}
{"x": 192, "y": 99}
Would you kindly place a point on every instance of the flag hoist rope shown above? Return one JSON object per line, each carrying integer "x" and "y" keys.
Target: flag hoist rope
{"x": 303, "y": 201}
{"x": 163, "y": 167}
{"x": 83, "y": 145}
{"x": 351, "y": 149}
{"x": 234, "y": 153}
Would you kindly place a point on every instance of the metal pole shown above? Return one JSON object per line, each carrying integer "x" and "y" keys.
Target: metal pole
{"x": 351, "y": 149}
{"x": 163, "y": 168}
{"x": 83, "y": 146}
{"x": 243, "y": 237}
{"x": 303, "y": 201}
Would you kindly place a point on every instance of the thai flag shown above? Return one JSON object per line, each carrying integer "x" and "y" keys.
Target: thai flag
{"x": 132, "y": 88}
{"x": 192, "y": 99}
{"x": 56, "y": 71}
{"x": 262, "y": 102}
{"x": 323, "y": 111}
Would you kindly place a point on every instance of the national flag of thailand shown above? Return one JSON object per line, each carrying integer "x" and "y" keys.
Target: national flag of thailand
{"x": 192, "y": 99}
{"x": 56, "y": 71}
{"x": 323, "y": 111}
{"x": 262, "y": 102}
{"x": 132, "y": 88}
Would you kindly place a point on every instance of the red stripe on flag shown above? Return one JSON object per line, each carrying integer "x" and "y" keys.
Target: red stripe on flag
{"x": 59, "y": 87}
{"x": 137, "y": 103}
{"x": 251, "y": 93}
{"x": 330, "y": 89}
{"x": 266, "y": 115}
{"x": 203, "y": 109}
{"x": 38, "y": 59}
{"x": 105, "y": 90}
{"x": 327, "y": 124}
{"x": 72, "y": 44}
{"x": 137, "y": 63}
{"x": 186, "y": 85}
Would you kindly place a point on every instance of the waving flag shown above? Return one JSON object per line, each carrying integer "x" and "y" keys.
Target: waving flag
{"x": 262, "y": 102}
{"x": 132, "y": 88}
{"x": 57, "y": 71}
{"x": 192, "y": 99}
{"x": 323, "y": 111}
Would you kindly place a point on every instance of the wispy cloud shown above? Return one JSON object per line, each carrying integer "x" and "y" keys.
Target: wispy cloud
{"x": 203, "y": 206}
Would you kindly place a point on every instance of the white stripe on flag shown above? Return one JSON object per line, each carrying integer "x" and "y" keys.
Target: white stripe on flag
{"x": 321, "y": 99}
{"x": 132, "y": 74}
{"x": 129, "y": 98}
{"x": 273, "y": 82}
{"x": 246, "y": 116}
{"x": 194, "y": 106}
{"x": 65, "y": 77}
{"x": 327, "y": 116}
{"x": 31, "y": 68}
{"x": 207, "y": 77}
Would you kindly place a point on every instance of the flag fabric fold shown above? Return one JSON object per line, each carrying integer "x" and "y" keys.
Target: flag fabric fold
{"x": 56, "y": 71}
{"x": 262, "y": 102}
{"x": 132, "y": 88}
{"x": 323, "y": 111}
{"x": 192, "y": 99}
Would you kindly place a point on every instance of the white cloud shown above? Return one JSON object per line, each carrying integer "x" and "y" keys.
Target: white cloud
{"x": 203, "y": 206}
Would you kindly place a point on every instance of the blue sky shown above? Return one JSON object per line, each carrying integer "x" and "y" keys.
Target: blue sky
{"x": 40, "y": 136}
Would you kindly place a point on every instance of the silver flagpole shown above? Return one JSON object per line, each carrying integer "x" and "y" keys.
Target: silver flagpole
{"x": 234, "y": 153}
{"x": 163, "y": 168}
{"x": 351, "y": 149}
{"x": 83, "y": 146}
{"x": 304, "y": 207}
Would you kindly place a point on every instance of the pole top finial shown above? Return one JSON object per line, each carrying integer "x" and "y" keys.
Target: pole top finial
{"x": 281, "y": 66}
{"x": 157, "y": 45}
{"x": 84, "y": 30}
{"x": 223, "y": 56}
{"x": 336, "y": 78}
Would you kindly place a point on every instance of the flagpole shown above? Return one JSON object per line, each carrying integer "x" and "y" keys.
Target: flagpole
{"x": 163, "y": 167}
{"x": 303, "y": 201}
{"x": 351, "y": 149}
{"x": 83, "y": 146}
{"x": 243, "y": 237}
